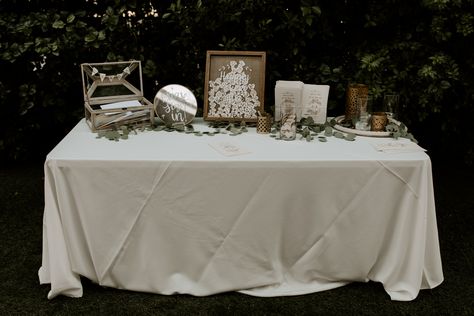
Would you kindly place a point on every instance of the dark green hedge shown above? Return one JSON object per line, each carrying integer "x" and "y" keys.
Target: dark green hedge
{"x": 421, "y": 49}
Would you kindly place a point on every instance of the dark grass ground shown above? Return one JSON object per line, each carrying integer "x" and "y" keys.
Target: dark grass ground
{"x": 21, "y": 207}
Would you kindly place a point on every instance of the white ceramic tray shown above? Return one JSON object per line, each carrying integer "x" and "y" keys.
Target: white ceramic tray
{"x": 339, "y": 119}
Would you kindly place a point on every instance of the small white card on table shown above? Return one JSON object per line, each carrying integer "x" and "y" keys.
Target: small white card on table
{"x": 398, "y": 147}
{"x": 229, "y": 149}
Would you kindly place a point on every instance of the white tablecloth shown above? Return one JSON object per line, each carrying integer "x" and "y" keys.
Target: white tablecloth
{"x": 166, "y": 213}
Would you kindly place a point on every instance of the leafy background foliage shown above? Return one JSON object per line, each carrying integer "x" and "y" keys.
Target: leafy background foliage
{"x": 421, "y": 49}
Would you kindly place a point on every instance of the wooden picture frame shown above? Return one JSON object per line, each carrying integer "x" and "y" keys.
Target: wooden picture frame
{"x": 234, "y": 87}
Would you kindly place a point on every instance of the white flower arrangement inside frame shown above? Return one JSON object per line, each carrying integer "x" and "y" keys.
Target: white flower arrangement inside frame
{"x": 231, "y": 94}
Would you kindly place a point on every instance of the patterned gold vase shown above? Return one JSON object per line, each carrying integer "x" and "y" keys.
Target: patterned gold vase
{"x": 353, "y": 92}
{"x": 378, "y": 121}
{"x": 264, "y": 123}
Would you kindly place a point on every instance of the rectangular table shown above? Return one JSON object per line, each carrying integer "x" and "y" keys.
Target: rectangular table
{"x": 164, "y": 212}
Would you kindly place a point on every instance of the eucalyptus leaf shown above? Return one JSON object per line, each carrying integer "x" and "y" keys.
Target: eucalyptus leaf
{"x": 178, "y": 126}
{"x": 338, "y": 135}
{"x": 411, "y": 137}
{"x": 328, "y": 131}
{"x": 316, "y": 129}
{"x": 112, "y": 135}
{"x": 307, "y": 121}
{"x": 391, "y": 127}
{"x": 305, "y": 132}
{"x": 350, "y": 137}
{"x": 322, "y": 139}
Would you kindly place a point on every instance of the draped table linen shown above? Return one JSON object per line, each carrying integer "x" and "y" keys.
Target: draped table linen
{"x": 166, "y": 213}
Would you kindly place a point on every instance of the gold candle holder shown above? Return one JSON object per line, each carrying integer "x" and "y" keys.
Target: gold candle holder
{"x": 264, "y": 124}
{"x": 353, "y": 92}
{"x": 378, "y": 121}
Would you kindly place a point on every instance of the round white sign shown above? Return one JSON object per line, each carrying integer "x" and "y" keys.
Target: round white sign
{"x": 174, "y": 104}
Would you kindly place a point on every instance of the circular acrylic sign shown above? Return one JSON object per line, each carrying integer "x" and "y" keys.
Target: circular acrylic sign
{"x": 175, "y": 104}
